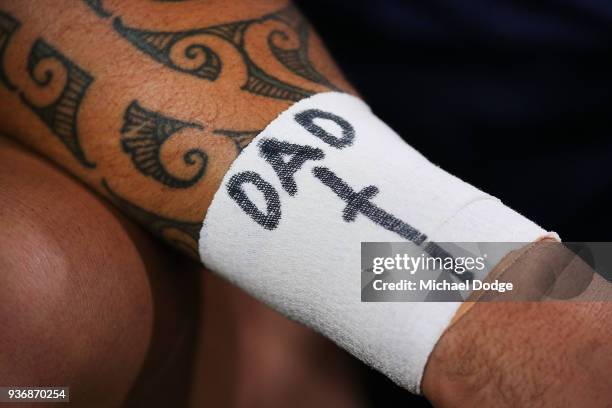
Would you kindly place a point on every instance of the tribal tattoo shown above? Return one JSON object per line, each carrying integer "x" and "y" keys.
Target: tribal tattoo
{"x": 159, "y": 146}
{"x": 96, "y": 5}
{"x": 8, "y": 26}
{"x": 295, "y": 59}
{"x": 182, "y": 234}
{"x": 189, "y": 52}
{"x": 47, "y": 67}
{"x": 143, "y": 135}
{"x": 52, "y": 72}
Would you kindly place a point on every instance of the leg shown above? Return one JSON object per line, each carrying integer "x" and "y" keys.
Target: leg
{"x": 86, "y": 297}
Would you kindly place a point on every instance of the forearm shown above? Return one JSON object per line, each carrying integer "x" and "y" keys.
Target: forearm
{"x": 145, "y": 102}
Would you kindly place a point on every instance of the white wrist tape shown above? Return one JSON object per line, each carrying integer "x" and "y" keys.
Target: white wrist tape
{"x": 287, "y": 223}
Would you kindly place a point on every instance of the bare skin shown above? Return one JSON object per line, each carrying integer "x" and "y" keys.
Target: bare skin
{"x": 538, "y": 353}
{"x": 133, "y": 70}
{"x": 528, "y": 355}
{"x": 83, "y": 312}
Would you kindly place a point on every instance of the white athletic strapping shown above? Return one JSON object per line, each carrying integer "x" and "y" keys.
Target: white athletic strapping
{"x": 287, "y": 223}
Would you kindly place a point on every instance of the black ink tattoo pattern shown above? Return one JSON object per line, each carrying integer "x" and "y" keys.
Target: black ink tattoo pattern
{"x": 96, "y": 5}
{"x": 241, "y": 138}
{"x": 186, "y": 52}
{"x": 197, "y": 59}
{"x": 183, "y": 234}
{"x": 60, "y": 115}
{"x": 8, "y": 26}
{"x": 143, "y": 135}
{"x": 296, "y": 59}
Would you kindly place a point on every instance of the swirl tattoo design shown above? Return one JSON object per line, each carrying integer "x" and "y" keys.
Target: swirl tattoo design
{"x": 186, "y": 52}
{"x": 51, "y": 70}
{"x": 183, "y": 234}
{"x": 142, "y": 136}
{"x": 8, "y": 26}
{"x": 195, "y": 59}
{"x": 295, "y": 59}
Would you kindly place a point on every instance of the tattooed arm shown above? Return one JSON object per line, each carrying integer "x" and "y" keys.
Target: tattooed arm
{"x": 149, "y": 102}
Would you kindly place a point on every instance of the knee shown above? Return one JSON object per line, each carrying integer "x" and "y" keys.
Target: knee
{"x": 75, "y": 301}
